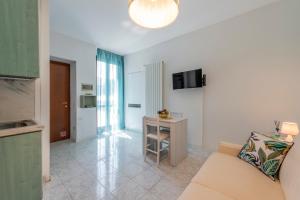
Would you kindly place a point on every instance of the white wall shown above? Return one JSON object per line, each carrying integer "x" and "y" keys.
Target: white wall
{"x": 252, "y": 64}
{"x": 84, "y": 56}
{"x": 189, "y": 102}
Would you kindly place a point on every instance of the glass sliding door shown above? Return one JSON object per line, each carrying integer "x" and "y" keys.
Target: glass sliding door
{"x": 110, "y": 93}
{"x": 101, "y": 96}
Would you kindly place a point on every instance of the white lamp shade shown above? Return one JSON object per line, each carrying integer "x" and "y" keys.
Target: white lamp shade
{"x": 153, "y": 13}
{"x": 289, "y": 128}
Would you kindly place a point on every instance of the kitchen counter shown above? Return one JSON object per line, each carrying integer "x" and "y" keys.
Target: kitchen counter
{"x": 177, "y": 130}
{"x": 20, "y": 130}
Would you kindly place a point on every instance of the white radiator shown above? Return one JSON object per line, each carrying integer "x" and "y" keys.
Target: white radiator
{"x": 154, "y": 88}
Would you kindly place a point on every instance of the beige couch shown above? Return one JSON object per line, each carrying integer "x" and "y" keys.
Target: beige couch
{"x": 226, "y": 177}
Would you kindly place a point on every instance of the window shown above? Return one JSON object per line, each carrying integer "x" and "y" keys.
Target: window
{"x": 107, "y": 97}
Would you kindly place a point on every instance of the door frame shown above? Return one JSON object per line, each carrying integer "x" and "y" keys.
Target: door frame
{"x": 73, "y": 94}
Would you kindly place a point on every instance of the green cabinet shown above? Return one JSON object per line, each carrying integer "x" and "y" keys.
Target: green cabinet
{"x": 21, "y": 167}
{"x": 19, "y": 38}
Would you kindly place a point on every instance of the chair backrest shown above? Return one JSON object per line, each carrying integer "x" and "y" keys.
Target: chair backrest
{"x": 290, "y": 172}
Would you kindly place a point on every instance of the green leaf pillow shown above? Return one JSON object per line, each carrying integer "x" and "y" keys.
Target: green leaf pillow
{"x": 265, "y": 153}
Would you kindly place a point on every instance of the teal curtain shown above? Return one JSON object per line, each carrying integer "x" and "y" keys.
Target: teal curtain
{"x": 111, "y": 89}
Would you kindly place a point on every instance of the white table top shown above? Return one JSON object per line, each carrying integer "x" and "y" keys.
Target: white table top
{"x": 170, "y": 120}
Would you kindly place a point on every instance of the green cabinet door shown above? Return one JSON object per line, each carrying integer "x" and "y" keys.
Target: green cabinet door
{"x": 19, "y": 38}
{"x": 20, "y": 167}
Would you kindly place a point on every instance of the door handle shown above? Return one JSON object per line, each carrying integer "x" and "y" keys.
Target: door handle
{"x": 65, "y": 104}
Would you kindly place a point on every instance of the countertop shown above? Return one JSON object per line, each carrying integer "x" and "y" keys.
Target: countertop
{"x": 168, "y": 120}
{"x": 20, "y": 130}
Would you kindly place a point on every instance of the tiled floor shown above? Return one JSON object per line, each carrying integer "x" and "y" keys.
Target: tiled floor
{"x": 112, "y": 167}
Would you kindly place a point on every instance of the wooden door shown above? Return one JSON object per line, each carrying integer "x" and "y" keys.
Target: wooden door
{"x": 60, "y": 101}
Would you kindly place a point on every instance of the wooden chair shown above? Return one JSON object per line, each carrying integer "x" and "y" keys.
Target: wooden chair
{"x": 152, "y": 131}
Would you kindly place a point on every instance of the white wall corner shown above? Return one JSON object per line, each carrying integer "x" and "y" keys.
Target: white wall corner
{"x": 42, "y": 97}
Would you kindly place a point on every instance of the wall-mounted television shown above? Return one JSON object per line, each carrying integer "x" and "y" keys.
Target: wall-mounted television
{"x": 188, "y": 79}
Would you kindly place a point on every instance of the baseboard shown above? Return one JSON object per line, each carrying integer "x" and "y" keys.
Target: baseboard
{"x": 46, "y": 179}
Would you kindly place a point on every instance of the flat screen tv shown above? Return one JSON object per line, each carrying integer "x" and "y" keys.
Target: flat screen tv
{"x": 188, "y": 79}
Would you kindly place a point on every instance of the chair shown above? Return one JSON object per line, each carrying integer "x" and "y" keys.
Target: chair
{"x": 153, "y": 133}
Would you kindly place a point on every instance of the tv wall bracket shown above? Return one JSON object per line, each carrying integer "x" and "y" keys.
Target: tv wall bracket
{"x": 204, "y": 80}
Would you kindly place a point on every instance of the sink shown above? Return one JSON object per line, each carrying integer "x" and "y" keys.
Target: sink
{"x": 18, "y": 124}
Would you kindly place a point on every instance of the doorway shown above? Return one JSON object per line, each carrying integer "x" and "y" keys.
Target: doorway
{"x": 110, "y": 97}
{"x": 107, "y": 97}
{"x": 59, "y": 101}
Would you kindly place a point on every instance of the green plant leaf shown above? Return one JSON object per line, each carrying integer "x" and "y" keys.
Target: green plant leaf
{"x": 262, "y": 155}
{"x": 270, "y": 167}
{"x": 276, "y": 145}
{"x": 273, "y": 155}
{"x": 250, "y": 158}
{"x": 254, "y": 137}
{"x": 252, "y": 146}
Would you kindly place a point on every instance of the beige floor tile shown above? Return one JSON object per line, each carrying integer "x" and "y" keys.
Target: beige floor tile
{"x": 114, "y": 181}
{"x": 85, "y": 187}
{"x": 112, "y": 167}
{"x": 131, "y": 170}
{"x": 129, "y": 191}
{"x": 58, "y": 192}
{"x": 147, "y": 179}
{"x": 167, "y": 190}
{"x": 149, "y": 196}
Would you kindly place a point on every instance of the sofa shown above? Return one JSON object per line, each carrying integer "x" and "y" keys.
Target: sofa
{"x": 225, "y": 177}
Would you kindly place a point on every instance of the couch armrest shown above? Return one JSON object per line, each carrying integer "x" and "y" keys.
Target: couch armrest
{"x": 229, "y": 149}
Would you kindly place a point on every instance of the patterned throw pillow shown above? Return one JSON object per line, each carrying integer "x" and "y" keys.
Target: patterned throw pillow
{"x": 265, "y": 153}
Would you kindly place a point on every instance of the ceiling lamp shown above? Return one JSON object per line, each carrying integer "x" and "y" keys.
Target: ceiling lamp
{"x": 153, "y": 13}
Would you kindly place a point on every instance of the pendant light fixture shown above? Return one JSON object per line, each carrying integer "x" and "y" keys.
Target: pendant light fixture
{"x": 153, "y": 13}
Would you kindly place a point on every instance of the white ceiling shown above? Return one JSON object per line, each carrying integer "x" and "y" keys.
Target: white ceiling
{"x": 106, "y": 23}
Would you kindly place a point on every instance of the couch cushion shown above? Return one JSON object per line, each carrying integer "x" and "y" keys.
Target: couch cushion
{"x": 195, "y": 191}
{"x": 237, "y": 179}
{"x": 265, "y": 153}
{"x": 290, "y": 172}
